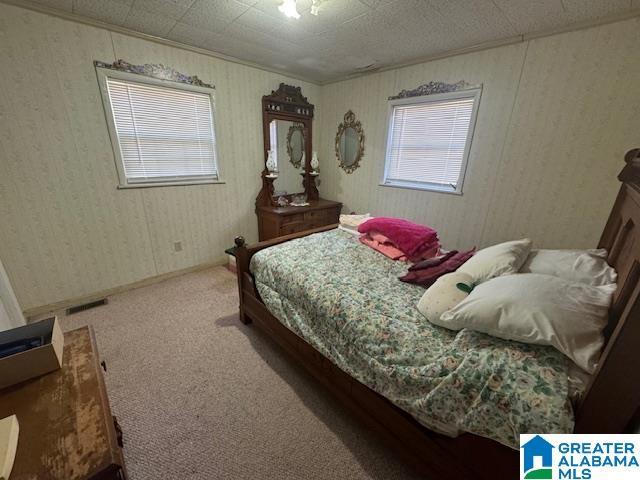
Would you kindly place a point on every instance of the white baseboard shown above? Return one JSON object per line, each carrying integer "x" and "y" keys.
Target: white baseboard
{"x": 44, "y": 311}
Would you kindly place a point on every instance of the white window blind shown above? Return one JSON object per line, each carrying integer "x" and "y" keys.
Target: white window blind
{"x": 428, "y": 141}
{"x": 164, "y": 134}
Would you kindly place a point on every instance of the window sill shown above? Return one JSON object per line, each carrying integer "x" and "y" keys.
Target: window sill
{"x": 424, "y": 188}
{"x": 170, "y": 184}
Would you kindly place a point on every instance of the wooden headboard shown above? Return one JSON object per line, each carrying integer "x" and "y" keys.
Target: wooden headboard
{"x": 613, "y": 396}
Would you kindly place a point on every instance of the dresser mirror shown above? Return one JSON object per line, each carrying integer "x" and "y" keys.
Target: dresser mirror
{"x": 287, "y": 119}
{"x": 287, "y": 146}
{"x": 295, "y": 145}
{"x": 349, "y": 143}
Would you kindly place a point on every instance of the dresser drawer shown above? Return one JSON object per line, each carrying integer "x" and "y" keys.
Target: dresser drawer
{"x": 294, "y": 228}
{"x": 317, "y": 216}
{"x": 276, "y": 221}
{"x": 287, "y": 219}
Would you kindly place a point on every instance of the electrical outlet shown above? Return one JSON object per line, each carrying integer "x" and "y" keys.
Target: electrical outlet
{"x": 177, "y": 246}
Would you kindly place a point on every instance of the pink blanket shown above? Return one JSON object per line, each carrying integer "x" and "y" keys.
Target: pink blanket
{"x": 409, "y": 237}
{"x": 382, "y": 245}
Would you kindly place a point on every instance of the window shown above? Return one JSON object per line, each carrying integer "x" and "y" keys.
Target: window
{"x": 429, "y": 139}
{"x": 162, "y": 132}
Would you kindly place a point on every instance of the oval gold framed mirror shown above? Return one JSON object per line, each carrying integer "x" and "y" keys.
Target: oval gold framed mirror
{"x": 349, "y": 143}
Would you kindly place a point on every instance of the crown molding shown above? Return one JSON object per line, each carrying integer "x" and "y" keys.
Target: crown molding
{"x": 26, "y": 4}
{"x": 618, "y": 17}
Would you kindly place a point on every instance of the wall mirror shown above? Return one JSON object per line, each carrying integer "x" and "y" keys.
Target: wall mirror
{"x": 287, "y": 145}
{"x": 295, "y": 144}
{"x": 287, "y": 118}
{"x": 349, "y": 143}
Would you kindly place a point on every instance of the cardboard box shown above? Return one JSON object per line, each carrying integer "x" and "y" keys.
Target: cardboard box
{"x": 36, "y": 361}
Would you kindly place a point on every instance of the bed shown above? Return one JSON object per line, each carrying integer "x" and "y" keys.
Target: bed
{"x": 355, "y": 328}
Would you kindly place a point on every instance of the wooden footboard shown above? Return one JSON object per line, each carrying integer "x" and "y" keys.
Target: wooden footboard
{"x": 434, "y": 455}
{"x": 244, "y": 253}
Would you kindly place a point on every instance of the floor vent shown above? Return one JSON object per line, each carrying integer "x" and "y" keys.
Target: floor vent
{"x": 86, "y": 306}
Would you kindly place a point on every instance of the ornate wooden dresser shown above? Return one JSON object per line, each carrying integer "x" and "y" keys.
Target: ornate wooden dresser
{"x": 287, "y": 119}
{"x": 278, "y": 221}
{"x": 67, "y": 431}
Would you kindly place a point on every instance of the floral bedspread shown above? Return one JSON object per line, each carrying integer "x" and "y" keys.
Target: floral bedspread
{"x": 345, "y": 300}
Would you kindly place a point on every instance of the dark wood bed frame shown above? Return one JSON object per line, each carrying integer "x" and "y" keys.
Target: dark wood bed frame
{"x": 609, "y": 405}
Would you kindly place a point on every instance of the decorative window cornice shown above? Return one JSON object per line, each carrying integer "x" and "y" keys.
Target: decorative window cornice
{"x": 432, "y": 88}
{"x": 154, "y": 70}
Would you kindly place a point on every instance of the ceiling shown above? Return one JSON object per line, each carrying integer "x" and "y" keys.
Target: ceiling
{"x": 347, "y": 36}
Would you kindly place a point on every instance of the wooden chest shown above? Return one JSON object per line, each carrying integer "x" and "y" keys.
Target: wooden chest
{"x": 279, "y": 221}
{"x": 67, "y": 431}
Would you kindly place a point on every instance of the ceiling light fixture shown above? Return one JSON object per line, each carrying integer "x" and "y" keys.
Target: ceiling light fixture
{"x": 288, "y": 7}
{"x": 315, "y": 7}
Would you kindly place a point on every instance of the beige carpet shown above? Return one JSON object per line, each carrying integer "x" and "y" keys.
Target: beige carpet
{"x": 201, "y": 396}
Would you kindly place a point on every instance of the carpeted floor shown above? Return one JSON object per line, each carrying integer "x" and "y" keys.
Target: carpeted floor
{"x": 201, "y": 396}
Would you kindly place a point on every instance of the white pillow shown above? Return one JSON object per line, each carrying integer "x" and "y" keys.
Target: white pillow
{"x": 538, "y": 309}
{"x": 502, "y": 259}
{"x": 444, "y": 294}
{"x": 580, "y": 266}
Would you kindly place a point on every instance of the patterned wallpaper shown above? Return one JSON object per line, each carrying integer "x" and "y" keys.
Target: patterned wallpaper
{"x": 66, "y": 230}
{"x": 556, "y": 116}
